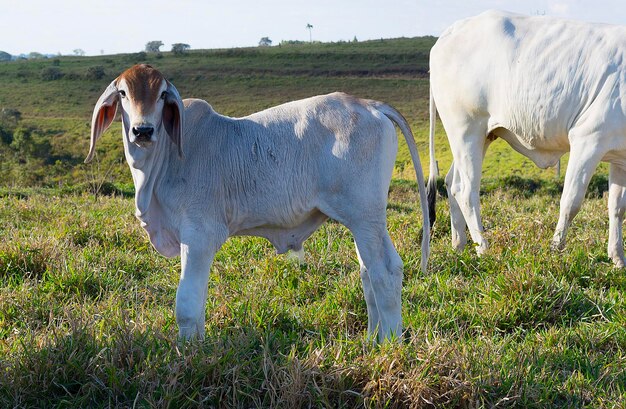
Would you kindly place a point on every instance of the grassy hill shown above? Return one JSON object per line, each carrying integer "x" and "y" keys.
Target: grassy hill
{"x": 56, "y": 97}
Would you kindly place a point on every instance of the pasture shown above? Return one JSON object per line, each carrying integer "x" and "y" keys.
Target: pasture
{"x": 87, "y": 305}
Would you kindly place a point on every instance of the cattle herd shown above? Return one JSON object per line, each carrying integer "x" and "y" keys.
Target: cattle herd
{"x": 544, "y": 85}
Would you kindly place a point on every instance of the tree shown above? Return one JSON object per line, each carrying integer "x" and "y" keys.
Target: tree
{"x": 265, "y": 42}
{"x": 310, "y": 27}
{"x": 4, "y": 56}
{"x": 180, "y": 48}
{"x": 153, "y": 46}
{"x": 35, "y": 55}
{"x": 79, "y": 52}
{"x": 291, "y": 42}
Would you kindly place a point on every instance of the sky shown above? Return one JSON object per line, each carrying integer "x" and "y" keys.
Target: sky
{"x": 125, "y": 26}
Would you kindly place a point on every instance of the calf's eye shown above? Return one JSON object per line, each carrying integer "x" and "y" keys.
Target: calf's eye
{"x": 122, "y": 93}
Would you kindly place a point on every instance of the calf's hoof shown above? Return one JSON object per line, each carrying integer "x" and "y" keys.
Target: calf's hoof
{"x": 618, "y": 262}
{"x": 557, "y": 245}
{"x": 191, "y": 332}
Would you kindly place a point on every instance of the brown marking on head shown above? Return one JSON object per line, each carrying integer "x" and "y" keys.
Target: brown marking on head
{"x": 139, "y": 91}
{"x": 143, "y": 82}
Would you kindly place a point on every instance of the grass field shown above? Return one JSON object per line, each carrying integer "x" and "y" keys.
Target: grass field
{"x": 87, "y": 305}
{"x": 86, "y": 314}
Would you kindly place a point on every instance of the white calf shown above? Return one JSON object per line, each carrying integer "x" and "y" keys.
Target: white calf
{"x": 201, "y": 177}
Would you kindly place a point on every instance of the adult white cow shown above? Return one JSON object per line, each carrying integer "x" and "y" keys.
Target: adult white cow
{"x": 544, "y": 85}
{"x": 201, "y": 177}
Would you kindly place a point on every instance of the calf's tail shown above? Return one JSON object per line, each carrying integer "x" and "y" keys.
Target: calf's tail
{"x": 395, "y": 116}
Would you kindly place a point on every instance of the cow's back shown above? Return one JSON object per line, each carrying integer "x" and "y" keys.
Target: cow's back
{"x": 535, "y": 76}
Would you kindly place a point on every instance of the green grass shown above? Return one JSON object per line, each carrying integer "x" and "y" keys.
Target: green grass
{"x": 87, "y": 313}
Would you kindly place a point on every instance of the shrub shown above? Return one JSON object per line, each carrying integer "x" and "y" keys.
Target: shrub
{"x": 51, "y": 74}
{"x": 136, "y": 57}
{"x": 6, "y": 136}
{"x": 29, "y": 143}
{"x": 72, "y": 76}
{"x": 95, "y": 72}
{"x": 10, "y": 114}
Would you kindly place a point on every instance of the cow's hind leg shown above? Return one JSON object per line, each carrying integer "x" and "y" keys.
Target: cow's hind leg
{"x": 582, "y": 163}
{"x": 617, "y": 205}
{"x": 468, "y": 151}
{"x": 381, "y": 275}
{"x": 457, "y": 221}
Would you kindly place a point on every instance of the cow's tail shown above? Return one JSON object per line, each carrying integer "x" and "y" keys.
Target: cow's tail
{"x": 431, "y": 188}
{"x": 393, "y": 114}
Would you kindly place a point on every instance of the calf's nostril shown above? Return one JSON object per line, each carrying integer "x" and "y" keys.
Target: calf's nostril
{"x": 143, "y": 132}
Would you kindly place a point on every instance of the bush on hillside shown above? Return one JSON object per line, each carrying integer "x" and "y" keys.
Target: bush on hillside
{"x": 6, "y": 136}
{"x": 136, "y": 58}
{"x": 10, "y": 114}
{"x": 95, "y": 72}
{"x": 28, "y": 143}
{"x": 51, "y": 74}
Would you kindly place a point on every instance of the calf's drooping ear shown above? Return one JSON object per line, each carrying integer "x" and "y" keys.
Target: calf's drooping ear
{"x": 173, "y": 110}
{"x": 103, "y": 114}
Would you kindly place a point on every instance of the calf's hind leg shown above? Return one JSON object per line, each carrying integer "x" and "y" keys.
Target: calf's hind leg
{"x": 381, "y": 275}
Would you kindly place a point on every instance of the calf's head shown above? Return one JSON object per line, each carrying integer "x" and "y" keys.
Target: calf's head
{"x": 149, "y": 104}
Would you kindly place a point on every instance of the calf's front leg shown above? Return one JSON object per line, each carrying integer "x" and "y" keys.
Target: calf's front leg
{"x": 197, "y": 250}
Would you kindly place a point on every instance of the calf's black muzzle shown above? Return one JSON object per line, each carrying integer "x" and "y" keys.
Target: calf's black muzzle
{"x": 143, "y": 133}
